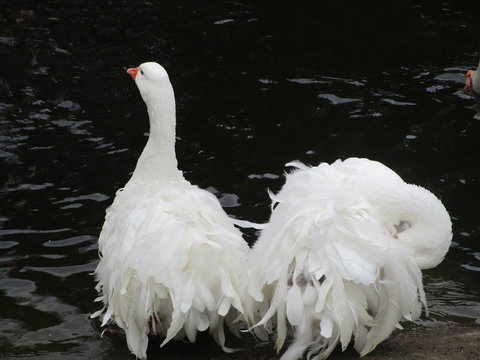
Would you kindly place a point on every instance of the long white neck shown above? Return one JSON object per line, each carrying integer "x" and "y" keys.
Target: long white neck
{"x": 419, "y": 220}
{"x": 158, "y": 160}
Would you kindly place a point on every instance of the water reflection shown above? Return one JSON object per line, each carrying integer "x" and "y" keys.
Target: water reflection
{"x": 256, "y": 88}
{"x": 448, "y": 302}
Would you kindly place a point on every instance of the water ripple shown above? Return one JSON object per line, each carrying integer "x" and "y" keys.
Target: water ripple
{"x": 256, "y": 87}
{"x": 63, "y": 271}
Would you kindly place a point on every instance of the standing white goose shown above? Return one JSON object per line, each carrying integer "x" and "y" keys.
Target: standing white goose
{"x": 340, "y": 258}
{"x": 170, "y": 257}
{"x": 472, "y": 82}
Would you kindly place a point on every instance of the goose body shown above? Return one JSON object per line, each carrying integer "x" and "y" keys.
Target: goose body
{"x": 340, "y": 259}
{"x": 171, "y": 258}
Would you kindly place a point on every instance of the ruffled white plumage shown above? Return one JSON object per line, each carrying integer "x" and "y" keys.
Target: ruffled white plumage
{"x": 171, "y": 258}
{"x": 331, "y": 264}
{"x": 168, "y": 268}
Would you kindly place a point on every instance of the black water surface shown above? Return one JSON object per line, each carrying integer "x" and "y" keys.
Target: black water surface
{"x": 258, "y": 84}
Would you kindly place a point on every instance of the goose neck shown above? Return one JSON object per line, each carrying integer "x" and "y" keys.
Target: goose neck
{"x": 158, "y": 160}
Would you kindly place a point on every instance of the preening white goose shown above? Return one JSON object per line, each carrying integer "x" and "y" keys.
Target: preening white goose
{"x": 472, "y": 82}
{"x": 171, "y": 258}
{"x": 340, "y": 259}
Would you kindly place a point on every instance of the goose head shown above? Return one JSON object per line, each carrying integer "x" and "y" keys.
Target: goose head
{"x": 152, "y": 81}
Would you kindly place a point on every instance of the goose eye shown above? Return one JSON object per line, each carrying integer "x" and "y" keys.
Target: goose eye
{"x": 141, "y": 71}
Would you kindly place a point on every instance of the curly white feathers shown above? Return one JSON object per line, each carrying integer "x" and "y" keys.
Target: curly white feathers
{"x": 340, "y": 258}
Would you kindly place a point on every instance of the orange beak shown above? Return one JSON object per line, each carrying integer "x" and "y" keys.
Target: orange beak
{"x": 133, "y": 72}
{"x": 468, "y": 80}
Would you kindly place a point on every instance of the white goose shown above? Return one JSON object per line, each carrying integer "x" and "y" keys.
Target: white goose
{"x": 170, "y": 257}
{"x": 340, "y": 258}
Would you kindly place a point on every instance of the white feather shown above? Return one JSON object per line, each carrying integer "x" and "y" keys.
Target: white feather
{"x": 294, "y": 305}
{"x": 340, "y": 257}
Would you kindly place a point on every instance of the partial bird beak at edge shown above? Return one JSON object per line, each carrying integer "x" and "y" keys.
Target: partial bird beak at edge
{"x": 133, "y": 72}
{"x": 468, "y": 81}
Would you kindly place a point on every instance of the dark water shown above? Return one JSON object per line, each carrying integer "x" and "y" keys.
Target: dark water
{"x": 258, "y": 84}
